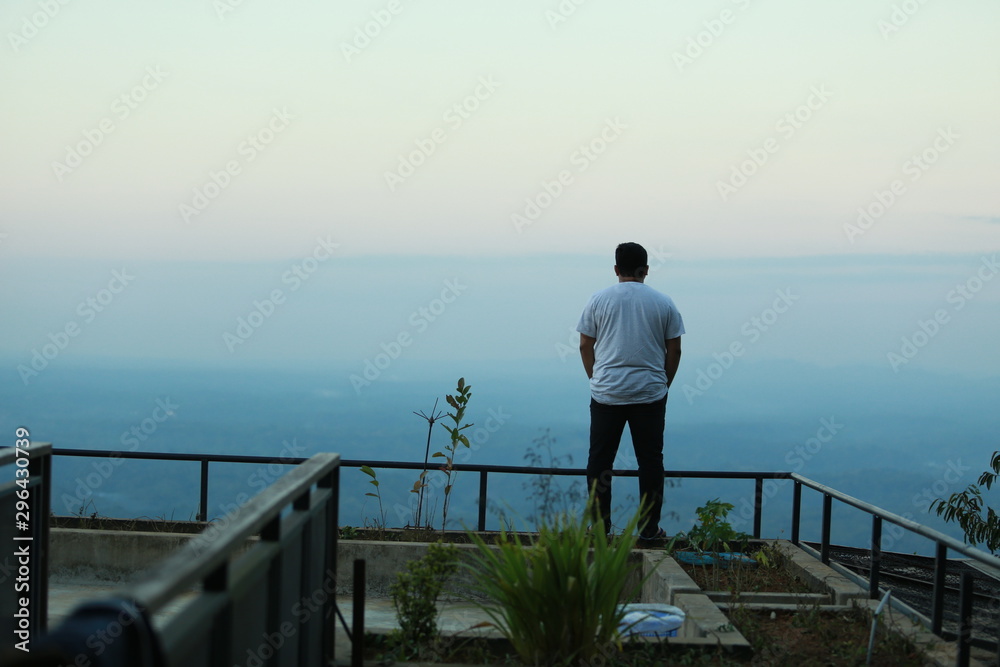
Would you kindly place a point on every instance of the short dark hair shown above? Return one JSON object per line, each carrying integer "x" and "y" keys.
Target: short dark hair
{"x": 629, "y": 257}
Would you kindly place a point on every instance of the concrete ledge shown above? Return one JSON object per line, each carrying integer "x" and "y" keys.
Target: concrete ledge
{"x": 765, "y": 606}
{"x": 384, "y": 560}
{"x": 667, "y": 579}
{"x": 704, "y": 619}
{"x": 821, "y": 578}
{"x": 786, "y": 599}
{"x": 107, "y": 555}
{"x": 115, "y": 556}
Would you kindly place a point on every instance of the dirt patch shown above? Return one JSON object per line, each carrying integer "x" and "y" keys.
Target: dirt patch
{"x": 813, "y": 637}
{"x": 746, "y": 579}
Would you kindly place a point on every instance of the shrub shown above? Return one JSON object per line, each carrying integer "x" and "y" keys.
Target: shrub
{"x": 557, "y": 600}
{"x": 416, "y": 590}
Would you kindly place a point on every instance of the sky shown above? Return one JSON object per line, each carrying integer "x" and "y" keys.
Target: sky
{"x": 393, "y": 192}
{"x": 449, "y": 179}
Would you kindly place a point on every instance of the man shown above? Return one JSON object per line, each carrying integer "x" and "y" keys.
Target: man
{"x": 630, "y": 342}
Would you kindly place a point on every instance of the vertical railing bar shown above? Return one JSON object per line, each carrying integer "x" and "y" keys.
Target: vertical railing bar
{"x": 305, "y": 582}
{"x": 221, "y": 640}
{"x": 272, "y": 614}
{"x": 358, "y": 613}
{"x": 876, "y": 558}
{"x": 482, "y": 499}
{"x": 44, "y": 560}
{"x": 825, "y": 541}
{"x": 333, "y": 537}
{"x": 940, "y": 569}
{"x": 40, "y": 490}
{"x": 203, "y": 512}
{"x": 758, "y": 502}
{"x": 796, "y": 511}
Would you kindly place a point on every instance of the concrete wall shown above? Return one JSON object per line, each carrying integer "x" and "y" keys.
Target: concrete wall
{"x": 115, "y": 556}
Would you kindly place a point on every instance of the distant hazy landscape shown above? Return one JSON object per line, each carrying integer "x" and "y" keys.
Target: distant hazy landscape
{"x": 898, "y": 447}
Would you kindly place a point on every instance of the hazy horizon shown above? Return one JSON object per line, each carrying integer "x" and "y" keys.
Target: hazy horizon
{"x": 299, "y": 213}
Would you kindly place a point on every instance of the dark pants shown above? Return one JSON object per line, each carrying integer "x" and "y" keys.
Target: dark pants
{"x": 645, "y": 423}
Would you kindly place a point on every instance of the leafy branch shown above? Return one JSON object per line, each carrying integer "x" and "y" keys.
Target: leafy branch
{"x": 967, "y": 507}
{"x": 459, "y": 401}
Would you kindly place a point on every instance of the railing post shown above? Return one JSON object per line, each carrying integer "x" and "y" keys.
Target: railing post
{"x": 758, "y": 503}
{"x": 796, "y": 511}
{"x": 40, "y": 502}
{"x": 358, "y": 613}
{"x": 203, "y": 512}
{"x": 824, "y": 548}
{"x": 965, "y": 619}
{"x": 482, "y": 500}
{"x": 332, "y": 481}
{"x": 940, "y": 569}
{"x": 876, "y": 557}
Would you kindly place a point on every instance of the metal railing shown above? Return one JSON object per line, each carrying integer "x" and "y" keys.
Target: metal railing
{"x": 942, "y": 544}
{"x": 483, "y": 470}
{"x": 246, "y": 601}
{"x": 24, "y": 533}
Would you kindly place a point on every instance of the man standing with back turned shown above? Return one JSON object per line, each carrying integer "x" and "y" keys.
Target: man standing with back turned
{"x": 630, "y": 342}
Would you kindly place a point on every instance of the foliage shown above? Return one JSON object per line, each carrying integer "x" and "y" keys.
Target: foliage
{"x": 967, "y": 508}
{"x": 416, "y": 590}
{"x": 459, "y": 402}
{"x": 712, "y": 533}
{"x": 420, "y": 484}
{"x": 380, "y": 521}
{"x": 548, "y": 498}
{"x": 557, "y": 600}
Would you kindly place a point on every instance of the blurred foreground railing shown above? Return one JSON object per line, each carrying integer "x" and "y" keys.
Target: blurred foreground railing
{"x": 25, "y": 490}
{"x": 245, "y": 601}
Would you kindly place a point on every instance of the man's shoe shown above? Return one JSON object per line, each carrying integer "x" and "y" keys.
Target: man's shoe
{"x": 660, "y": 534}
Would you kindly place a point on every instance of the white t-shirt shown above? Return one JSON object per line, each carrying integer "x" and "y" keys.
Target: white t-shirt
{"x": 631, "y": 322}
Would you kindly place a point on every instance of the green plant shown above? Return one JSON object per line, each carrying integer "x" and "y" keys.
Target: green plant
{"x": 420, "y": 484}
{"x": 557, "y": 600}
{"x": 459, "y": 402}
{"x": 967, "y": 508}
{"x": 379, "y": 522}
{"x": 712, "y": 532}
{"x": 416, "y": 590}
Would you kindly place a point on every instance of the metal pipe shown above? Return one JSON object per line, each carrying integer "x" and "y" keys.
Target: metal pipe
{"x": 825, "y": 543}
{"x": 482, "y": 499}
{"x": 940, "y": 568}
{"x": 796, "y": 511}
{"x": 358, "y": 612}
{"x": 758, "y": 504}
{"x": 876, "y": 557}
{"x": 203, "y": 512}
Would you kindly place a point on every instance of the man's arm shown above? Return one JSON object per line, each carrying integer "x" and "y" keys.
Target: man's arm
{"x": 673, "y": 359}
{"x": 587, "y": 353}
